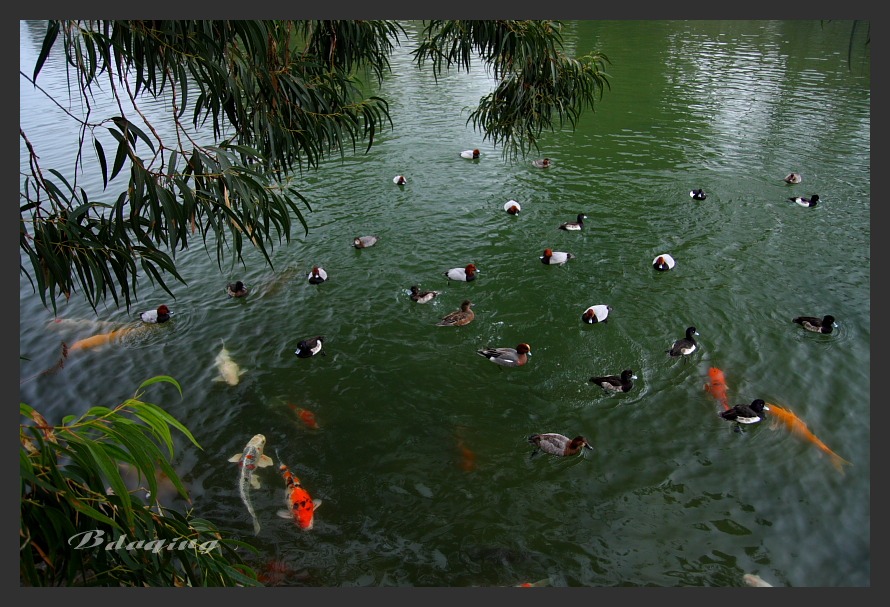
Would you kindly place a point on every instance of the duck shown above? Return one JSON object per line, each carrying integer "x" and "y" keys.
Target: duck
{"x": 236, "y": 289}
{"x": 597, "y": 313}
{"x": 459, "y": 318}
{"x": 310, "y": 347}
{"x": 399, "y": 180}
{"x": 317, "y": 275}
{"x": 793, "y": 178}
{"x": 542, "y": 163}
{"x": 363, "y": 242}
{"x": 698, "y": 194}
{"x": 507, "y": 357}
{"x": 663, "y": 262}
{"x": 746, "y": 414}
{"x": 825, "y": 324}
{"x": 555, "y": 258}
{"x": 616, "y": 383}
{"x": 162, "y": 314}
{"x": 558, "y": 444}
{"x": 512, "y": 207}
{"x": 804, "y": 201}
{"x": 465, "y": 274}
{"x": 472, "y": 154}
{"x": 574, "y": 225}
{"x": 422, "y": 296}
{"x": 685, "y": 345}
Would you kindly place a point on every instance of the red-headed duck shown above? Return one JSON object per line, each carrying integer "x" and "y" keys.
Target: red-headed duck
{"x": 597, "y": 313}
{"x": 507, "y": 357}
{"x": 465, "y": 274}
{"x": 555, "y": 258}
{"x": 317, "y": 275}
{"x": 162, "y": 314}
{"x": 663, "y": 262}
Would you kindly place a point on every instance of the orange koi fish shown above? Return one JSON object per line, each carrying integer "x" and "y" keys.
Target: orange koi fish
{"x": 300, "y": 505}
{"x": 306, "y": 416}
{"x": 717, "y": 387}
{"x": 798, "y": 427}
{"x": 538, "y": 584}
{"x": 467, "y": 457}
{"x": 98, "y": 340}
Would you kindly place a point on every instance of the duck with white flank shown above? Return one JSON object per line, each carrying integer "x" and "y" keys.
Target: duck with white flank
{"x": 685, "y": 345}
{"x": 746, "y": 414}
{"x": 804, "y": 201}
{"x": 616, "y": 383}
{"x": 310, "y": 347}
{"x": 162, "y": 314}
{"x": 317, "y": 275}
{"x": 512, "y": 207}
{"x": 555, "y": 258}
{"x": 574, "y": 226}
{"x": 663, "y": 262}
{"x": 507, "y": 357}
{"x": 471, "y": 154}
{"x": 465, "y": 274}
{"x": 422, "y": 296}
{"x": 698, "y": 194}
{"x": 597, "y": 313}
{"x": 793, "y": 178}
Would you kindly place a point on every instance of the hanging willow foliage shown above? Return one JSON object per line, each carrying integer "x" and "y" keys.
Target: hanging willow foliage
{"x": 277, "y": 97}
{"x": 82, "y": 526}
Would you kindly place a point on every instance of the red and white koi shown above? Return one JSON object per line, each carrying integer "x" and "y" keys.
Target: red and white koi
{"x": 249, "y": 460}
{"x": 300, "y": 505}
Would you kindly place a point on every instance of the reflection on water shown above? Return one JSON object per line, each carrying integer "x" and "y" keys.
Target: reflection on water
{"x": 421, "y": 455}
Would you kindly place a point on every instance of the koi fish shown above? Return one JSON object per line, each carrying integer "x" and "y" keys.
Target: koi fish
{"x": 798, "y": 427}
{"x": 467, "y": 457}
{"x": 306, "y": 416}
{"x": 538, "y": 584}
{"x": 717, "y": 387}
{"x": 249, "y": 460}
{"x": 98, "y": 340}
{"x": 229, "y": 371}
{"x": 755, "y": 581}
{"x": 300, "y": 505}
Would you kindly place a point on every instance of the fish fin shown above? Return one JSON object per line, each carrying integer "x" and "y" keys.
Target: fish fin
{"x": 255, "y": 481}
{"x": 265, "y": 460}
{"x": 316, "y": 503}
{"x": 256, "y": 527}
{"x": 283, "y": 514}
{"x": 235, "y": 458}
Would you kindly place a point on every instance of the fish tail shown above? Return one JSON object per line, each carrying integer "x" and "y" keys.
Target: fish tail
{"x": 244, "y": 488}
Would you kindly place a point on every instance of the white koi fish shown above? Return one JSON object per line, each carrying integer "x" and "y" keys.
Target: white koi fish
{"x": 248, "y": 461}
{"x": 229, "y": 371}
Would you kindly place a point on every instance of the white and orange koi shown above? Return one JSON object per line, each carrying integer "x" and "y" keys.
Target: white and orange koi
{"x": 249, "y": 460}
{"x": 300, "y": 505}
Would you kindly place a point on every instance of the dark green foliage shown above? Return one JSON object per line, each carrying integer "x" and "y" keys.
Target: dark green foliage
{"x": 72, "y": 487}
{"x": 277, "y": 97}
